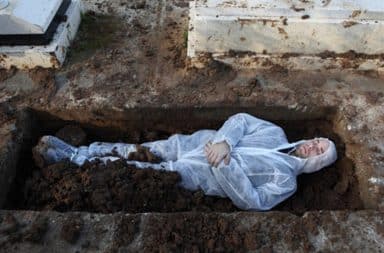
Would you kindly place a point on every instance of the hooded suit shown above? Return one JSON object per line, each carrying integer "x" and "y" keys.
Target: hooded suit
{"x": 258, "y": 176}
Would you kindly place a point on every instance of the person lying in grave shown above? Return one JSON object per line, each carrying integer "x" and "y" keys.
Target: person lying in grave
{"x": 248, "y": 160}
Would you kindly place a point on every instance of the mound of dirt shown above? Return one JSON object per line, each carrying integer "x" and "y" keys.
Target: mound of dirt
{"x": 113, "y": 187}
{"x": 143, "y": 155}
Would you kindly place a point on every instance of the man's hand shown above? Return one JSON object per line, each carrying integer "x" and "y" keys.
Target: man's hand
{"x": 215, "y": 153}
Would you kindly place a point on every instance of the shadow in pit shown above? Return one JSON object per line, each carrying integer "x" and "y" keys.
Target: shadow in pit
{"x": 117, "y": 187}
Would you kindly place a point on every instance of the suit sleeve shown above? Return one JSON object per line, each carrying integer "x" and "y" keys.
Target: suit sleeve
{"x": 244, "y": 195}
{"x": 241, "y": 124}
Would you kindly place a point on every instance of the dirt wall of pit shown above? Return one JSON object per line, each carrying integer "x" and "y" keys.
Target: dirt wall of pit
{"x": 192, "y": 232}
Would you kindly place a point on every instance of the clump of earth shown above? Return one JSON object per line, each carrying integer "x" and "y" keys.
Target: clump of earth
{"x": 113, "y": 187}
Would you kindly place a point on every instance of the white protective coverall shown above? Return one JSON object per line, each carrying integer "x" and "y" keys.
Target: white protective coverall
{"x": 258, "y": 176}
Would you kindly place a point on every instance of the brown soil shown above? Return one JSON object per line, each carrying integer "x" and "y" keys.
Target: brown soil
{"x": 113, "y": 187}
{"x": 143, "y": 155}
{"x": 6, "y": 73}
{"x": 71, "y": 229}
{"x": 332, "y": 188}
{"x": 73, "y": 135}
{"x": 349, "y": 55}
{"x": 223, "y": 238}
{"x": 43, "y": 77}
{"x": 211, "y": 233}
{"x": 36, "y": 232}
{"x": 12, "y": 231}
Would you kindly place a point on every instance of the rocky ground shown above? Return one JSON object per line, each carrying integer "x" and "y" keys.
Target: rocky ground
{"x": 128, "y": 71}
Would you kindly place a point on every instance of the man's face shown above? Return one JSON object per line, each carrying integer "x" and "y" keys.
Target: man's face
{"x": 312, "y": 148}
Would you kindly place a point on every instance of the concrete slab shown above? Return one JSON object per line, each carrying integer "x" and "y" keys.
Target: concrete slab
{"x": 289, "y": 28}
{"x": 27, "y": 17}
{"x": 48, "y": 56}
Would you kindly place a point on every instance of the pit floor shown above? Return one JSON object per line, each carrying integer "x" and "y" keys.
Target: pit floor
{"x": 130, "y": 58}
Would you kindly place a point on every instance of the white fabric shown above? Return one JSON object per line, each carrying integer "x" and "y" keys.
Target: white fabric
{"x": 258, "y": 176}
{"x": 103, "y": 151}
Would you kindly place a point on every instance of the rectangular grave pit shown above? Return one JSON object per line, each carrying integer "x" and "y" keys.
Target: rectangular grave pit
{"x": 333, "y": 188}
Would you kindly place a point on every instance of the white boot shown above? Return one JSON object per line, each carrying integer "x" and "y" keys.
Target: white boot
{"x": 54, "y": 150}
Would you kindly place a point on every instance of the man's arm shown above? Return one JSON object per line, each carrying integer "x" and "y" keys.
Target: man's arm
{"x": 244, "y": 195}
{"x": 230, "y": 134}
{"x": 237, "y": 126}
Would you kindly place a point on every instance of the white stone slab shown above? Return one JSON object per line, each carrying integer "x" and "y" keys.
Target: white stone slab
{"x": 339, "y": 9}
{"x": 49, "y": 56}
{"x": 275, "y": 27}
{"x": 27, "y": 16}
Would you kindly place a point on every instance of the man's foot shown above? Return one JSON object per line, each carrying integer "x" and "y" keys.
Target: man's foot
{"x": 51, "y": 150}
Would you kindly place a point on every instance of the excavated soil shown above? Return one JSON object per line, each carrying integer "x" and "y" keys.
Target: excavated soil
{"x": 13, "y": 231}
{"x": 115, "y": 186}
{"x": 216, "y": 234}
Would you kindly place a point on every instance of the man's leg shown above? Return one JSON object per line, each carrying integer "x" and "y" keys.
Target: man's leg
{"x": 101, "y": 149}
{"x": 168, "y": 150}
{"x": 176, "y": 145}
{"x": 51, "y": 149}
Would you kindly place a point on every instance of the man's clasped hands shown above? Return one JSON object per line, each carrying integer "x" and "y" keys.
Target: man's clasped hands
{"x": 217, "y": 152}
